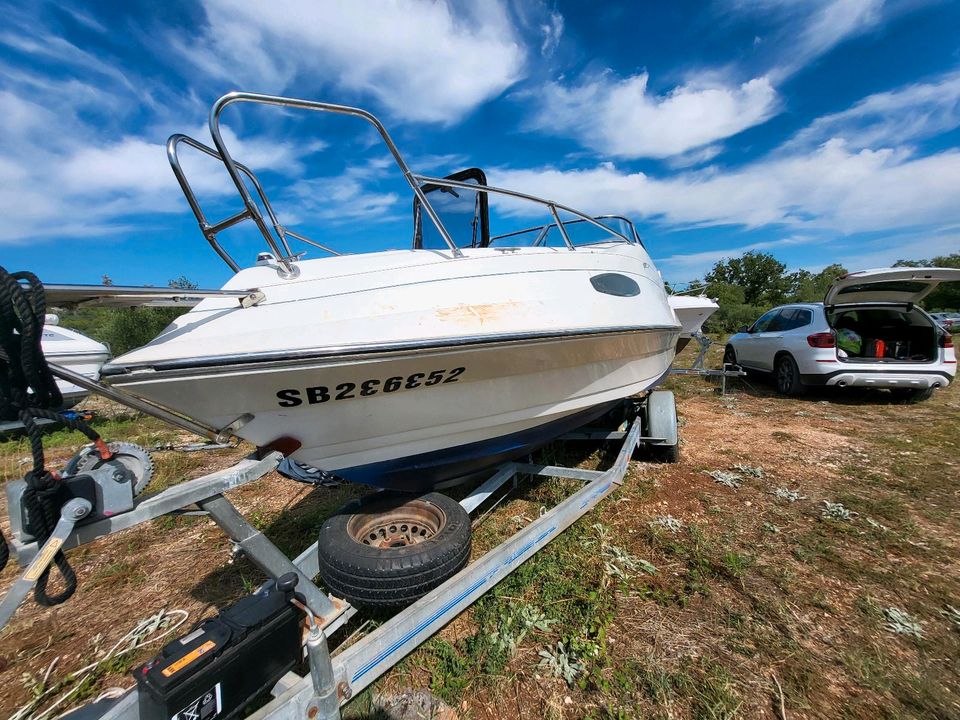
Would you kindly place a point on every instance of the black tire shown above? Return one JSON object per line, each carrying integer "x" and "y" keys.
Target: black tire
{"x": 729, "y": 355}
{"x": 666, "y": 453}
{"x": 911, "y": 395}
{"x": 787, "y": 376}
{"x": 413, "y": 543}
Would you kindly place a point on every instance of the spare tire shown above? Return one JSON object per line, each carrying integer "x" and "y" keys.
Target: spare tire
{"x": 389, "y": 549}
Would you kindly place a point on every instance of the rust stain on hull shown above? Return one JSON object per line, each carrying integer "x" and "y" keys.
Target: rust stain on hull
{"x": 476, "y": 314}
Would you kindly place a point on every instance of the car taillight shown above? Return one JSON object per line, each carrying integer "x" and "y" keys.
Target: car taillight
{"x": 946, "y": 340}
{"x": 821, "y": 340}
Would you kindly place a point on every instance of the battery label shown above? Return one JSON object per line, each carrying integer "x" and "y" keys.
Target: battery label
{"x": 186, "y": 640}
{"x": 205, "y": 707}
{"x": 188, "y": 658}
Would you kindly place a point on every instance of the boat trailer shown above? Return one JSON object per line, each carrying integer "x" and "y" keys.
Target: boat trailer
{"x": 333, "y": 680}
{"x": 697, "y": 368}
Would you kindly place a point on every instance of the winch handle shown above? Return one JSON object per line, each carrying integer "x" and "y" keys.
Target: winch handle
{"x": 70, "y": 514}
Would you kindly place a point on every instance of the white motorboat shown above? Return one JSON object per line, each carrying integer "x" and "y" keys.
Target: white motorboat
{"x": 692, "y": 311}
{"x": 405, "y": 368}
{"x": 74, "y": 351}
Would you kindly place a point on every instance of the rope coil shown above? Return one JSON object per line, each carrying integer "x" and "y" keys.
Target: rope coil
{"x": 28, "y": 391}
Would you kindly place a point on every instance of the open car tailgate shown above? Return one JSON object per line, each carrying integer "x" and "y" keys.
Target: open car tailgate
{"x": 896, "y": 285}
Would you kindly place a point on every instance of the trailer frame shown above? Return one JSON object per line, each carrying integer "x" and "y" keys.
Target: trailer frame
{"x": 334, "y": 680}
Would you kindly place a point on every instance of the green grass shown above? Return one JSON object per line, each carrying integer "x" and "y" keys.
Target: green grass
{"x": 118, "y": 574}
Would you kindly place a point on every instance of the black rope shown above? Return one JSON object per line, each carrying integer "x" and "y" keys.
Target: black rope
{"x": 28, "y": 392}
{"x": 25, "y": 378}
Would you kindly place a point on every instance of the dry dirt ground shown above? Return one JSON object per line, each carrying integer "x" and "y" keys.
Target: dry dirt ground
{"x": 821, "y": 582}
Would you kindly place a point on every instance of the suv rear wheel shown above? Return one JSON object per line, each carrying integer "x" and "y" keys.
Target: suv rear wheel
{"x": 788, "y": 377}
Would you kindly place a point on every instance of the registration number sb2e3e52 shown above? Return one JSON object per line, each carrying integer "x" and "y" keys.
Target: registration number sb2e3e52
{"x": 292, "y": 397}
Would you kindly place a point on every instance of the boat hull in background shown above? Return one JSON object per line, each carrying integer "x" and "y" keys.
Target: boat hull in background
{"x": 76, "y": 352}
{"x": 692, "y": 311}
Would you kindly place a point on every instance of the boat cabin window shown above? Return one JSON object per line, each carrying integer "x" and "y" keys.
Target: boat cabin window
{"x": 464, "y": 213}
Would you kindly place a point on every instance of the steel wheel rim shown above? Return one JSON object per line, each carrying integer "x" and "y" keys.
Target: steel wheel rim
{"x": 412, "y": 523}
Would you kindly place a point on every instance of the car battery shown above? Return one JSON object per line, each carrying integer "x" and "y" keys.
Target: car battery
{"x": 213, "y": 672}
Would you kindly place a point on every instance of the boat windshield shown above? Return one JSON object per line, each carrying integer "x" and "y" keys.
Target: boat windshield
{"x": 579, "y": 231}
{"x": 464, "y": 212}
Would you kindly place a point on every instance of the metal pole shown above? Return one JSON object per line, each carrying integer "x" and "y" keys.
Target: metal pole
{"x": 232, "y": 170}
{"x": 324, "y": 705}
{"x": 264, "y": 553}
{"x": 560, "y": 227}
{"x": 136, "y": 403}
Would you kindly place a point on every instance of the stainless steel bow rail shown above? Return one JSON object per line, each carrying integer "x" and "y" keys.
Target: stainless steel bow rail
{"x": 276, "y": 234}
{"x": 333, "y": 680}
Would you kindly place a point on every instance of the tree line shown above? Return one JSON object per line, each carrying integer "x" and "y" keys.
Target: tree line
{"x": 745, "y": 287}
{"x": 124, "y": 329}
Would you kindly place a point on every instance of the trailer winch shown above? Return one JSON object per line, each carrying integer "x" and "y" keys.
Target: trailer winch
{"x": 99, "y": 482}
{"x": 109, "y": 484}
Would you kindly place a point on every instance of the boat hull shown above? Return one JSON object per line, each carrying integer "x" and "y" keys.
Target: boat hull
{"x": 372, "y": 364}
{"x": 428, "y": 470}
{"x": 75, "y": 352}
{"x": 409, "y": 419}
{"x": 692, "y": 312}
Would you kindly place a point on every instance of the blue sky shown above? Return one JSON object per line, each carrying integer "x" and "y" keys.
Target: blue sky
{"x": 820, "y": 131}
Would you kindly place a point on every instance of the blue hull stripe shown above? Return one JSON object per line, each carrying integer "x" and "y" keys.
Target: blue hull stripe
{"x": 417, "y": 473}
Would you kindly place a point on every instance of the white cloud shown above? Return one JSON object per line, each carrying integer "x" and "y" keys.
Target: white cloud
{"x": 618, "y": 115}
{"x": 695, "y": 265}
{"x": 20, "y": 116}
{"x": 552, "y": 31}
{"x": 620, "y": 118}
{"x": 809, "y": 29}
{"x": 697, "y": 156}
{"x": 828, "y": 24}
{"x": 137, "y": 166}
{"x": 425, "y": 61}
{"x": 349, "y": 196}
{"x": 854, "y": 254}
{"x": 885, "y": 252}
{"x": 833, "y": 188}
{"x": 912, "y": 112}
{"x": 63, "y": 184}
{"x": 49, "y": 45}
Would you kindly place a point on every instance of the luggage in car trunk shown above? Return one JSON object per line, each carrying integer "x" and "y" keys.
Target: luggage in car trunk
{"x": 886, "y": 334}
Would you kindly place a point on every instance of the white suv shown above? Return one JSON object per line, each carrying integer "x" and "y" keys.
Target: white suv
{"x": 868, "y": 332}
